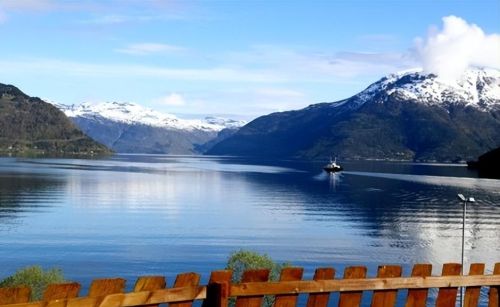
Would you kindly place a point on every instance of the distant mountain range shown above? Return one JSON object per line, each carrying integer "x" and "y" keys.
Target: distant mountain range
{"x": 131, "y": 128}
{"x": 29, "y": 125}
{"x": 404, "y": 116}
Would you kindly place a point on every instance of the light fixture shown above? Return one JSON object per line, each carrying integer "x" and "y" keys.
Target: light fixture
{"x": 465, "y": 201}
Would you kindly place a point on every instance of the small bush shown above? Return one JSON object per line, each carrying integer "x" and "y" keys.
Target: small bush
{"x": 35, "y": 278}
{"x": 243, "y": 260}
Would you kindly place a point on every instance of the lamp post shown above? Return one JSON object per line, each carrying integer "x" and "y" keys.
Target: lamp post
{"x": 464, "y": 200}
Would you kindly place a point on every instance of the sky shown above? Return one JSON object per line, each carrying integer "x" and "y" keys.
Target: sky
{"x": 235, "y": 58}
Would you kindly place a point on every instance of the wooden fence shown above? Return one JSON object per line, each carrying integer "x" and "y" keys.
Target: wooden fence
{"x": 151, "y": 290}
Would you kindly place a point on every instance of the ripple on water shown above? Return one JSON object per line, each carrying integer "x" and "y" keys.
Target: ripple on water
{"x": 158, "y": 214}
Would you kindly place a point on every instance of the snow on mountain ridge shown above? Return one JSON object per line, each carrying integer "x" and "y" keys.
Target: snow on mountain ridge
{"x": 476, "y": 87}
{"x": 131, "y": 113}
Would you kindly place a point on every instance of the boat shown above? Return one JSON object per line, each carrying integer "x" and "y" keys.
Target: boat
{"x": 332, "y": 167}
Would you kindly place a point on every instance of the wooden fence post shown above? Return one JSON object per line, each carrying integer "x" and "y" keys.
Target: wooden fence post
{"x": 61, "y": 291}
{"x": 353, "y": 298}
{"x": 472, "y": 293}
{"x": 447, "y": 297}
{"x": 217, "y": 295}
{"x": 255, "y": 287}
{"x": 252, "y": 276}
{"x": 99, "y": 288}
{"x": 386, "y": 298}
{"x": 418, "y": 297}
{"x": 14, "y": 295}
{"x": 218, "y": 289}
{"x": 321, "y": 299}
{"x": 494, "y": 295}
{"x": 150, "y": 283}
{"x": 288, "y": 300}
{"x": 106, "y": 286}
{"x": 185, "y": 280}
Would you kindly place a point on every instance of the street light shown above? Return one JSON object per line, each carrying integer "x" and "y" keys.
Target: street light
{"x": 464, "y": 200}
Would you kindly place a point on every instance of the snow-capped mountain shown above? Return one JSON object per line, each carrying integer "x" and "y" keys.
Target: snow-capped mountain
{"x": 131, "y": 128}
{"x": 404, "y": 116}
{"x": 477, "y": 87}
{"x": 134, "y": 114}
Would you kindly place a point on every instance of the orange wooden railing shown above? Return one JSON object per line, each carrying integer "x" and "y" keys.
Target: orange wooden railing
{"x": 152, "y": 290}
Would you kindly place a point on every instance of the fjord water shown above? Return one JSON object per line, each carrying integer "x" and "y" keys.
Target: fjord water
{"x": 132, "y": 215}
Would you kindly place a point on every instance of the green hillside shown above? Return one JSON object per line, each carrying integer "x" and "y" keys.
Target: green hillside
{"x": 28, "y": 125}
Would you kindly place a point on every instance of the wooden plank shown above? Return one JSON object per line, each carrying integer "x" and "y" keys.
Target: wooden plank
{"x": 56, "y": 303}
{"x": 350, "y": 299}
{"x": 126, "y": 299}
{"x": 494, "y": 293}
{"x": 386, "y": 298}
{"x": 218, "y": 289}
{"x": 185, "y": 280}
{"x": 61, "y": 291}
{"x": 177, "y": 295}
{"x": 150, "y": 283}
{"x": 248, "y": 278}
{"x": 347, "y": 285}
{"x": 32, "y": 304}
{"x": 113, "y": 300}
{"x": 472, "y": 293}
{"x": 136, "y": 298}
{"x": 14, "y": 295}
{"x": 106, "y": 286}
{"x": 321, "y": 299}
{"x": 189, "y": 293}
{"x": 447, "y": 297}
{"x": 288, "y": 300}
{"x": 83, "y": 302}
{"x": 172, "y": 295}
{"x": 418, "y": 297}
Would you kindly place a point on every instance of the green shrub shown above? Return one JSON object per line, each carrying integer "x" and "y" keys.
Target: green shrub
{"x": 35, "y": 278}
{"x": 243, "y": 260}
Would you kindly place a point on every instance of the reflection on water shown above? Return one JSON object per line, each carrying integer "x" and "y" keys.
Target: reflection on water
{"x": 23, "y": 194}
{"x": 134, "y": 215}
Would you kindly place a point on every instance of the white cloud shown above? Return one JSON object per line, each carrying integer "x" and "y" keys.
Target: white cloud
{"x": 108, "y": 12}
{"x": 305, "y": 65}
{"x": 116, "y": 19}
{"x": 27, "y": 5}
{"x": 173, "y": 99}
{"x": 149, "y": 48}
{"x": 459, "y": 45}
{"x": 108, "y": 19}
{"x": 50, "y": 67}
{"x": 23, "y": 5}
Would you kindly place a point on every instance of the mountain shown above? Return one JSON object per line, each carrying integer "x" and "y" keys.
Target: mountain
{"x": 28, "y": 125}
{"x": 488, "y": 164}
{"x": 131, "y": 128}
{"x": 404, "y": 116}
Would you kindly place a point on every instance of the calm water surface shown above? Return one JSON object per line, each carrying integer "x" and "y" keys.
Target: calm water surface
{"x": 133, "y": 215}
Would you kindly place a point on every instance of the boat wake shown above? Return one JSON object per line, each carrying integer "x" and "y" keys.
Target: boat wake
{"x": 492, "y": 185}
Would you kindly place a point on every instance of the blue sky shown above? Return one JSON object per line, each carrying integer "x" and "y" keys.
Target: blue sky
{"x": 244, "y": 58}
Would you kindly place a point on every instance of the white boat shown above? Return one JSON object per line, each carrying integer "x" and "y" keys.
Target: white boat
{"x": 332, "y": 167}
